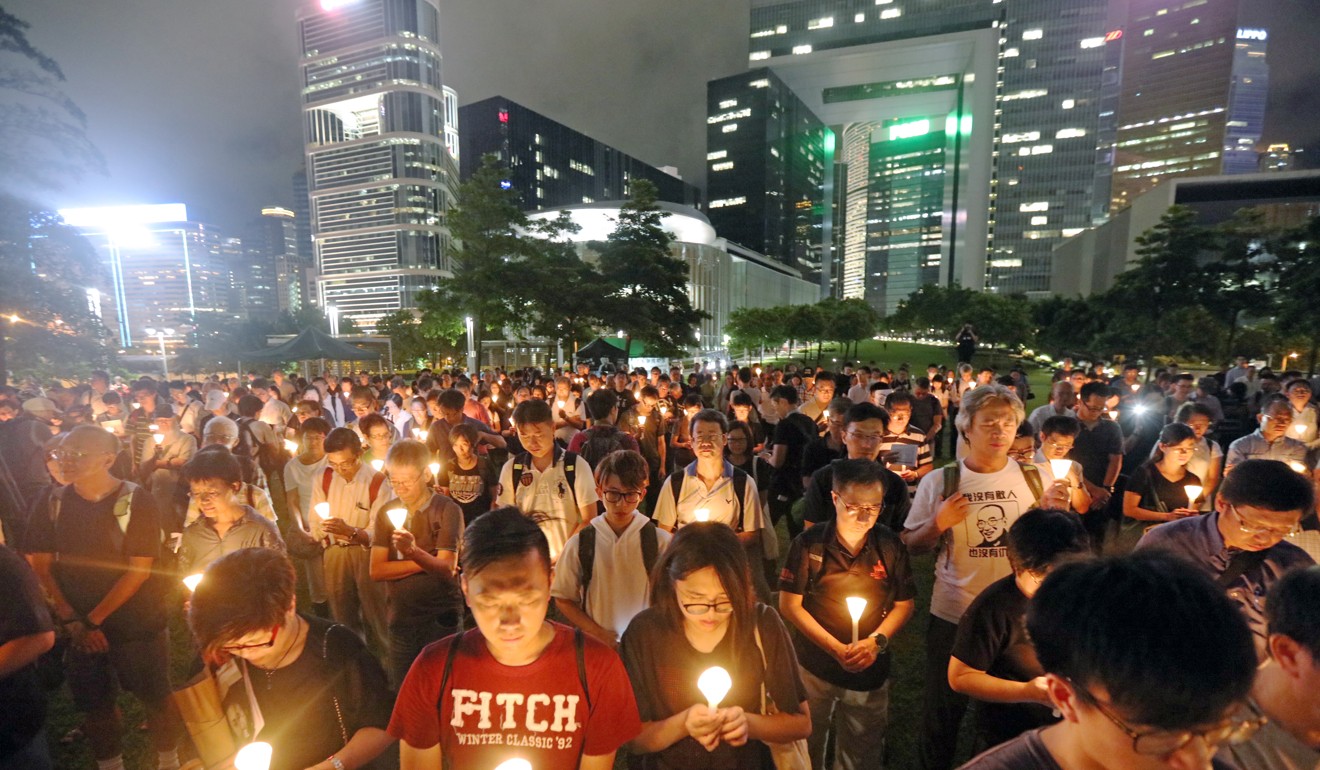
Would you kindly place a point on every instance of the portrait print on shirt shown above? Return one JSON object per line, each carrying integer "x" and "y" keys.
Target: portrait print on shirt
{"x": 986, "y": 526}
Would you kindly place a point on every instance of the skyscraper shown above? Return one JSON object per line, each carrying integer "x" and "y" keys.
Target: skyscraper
{"x": 551, "y": 164}
{"x": 766, "y": 156}
{"x": 278, "y": 277}
{"x": 379, "y": 176}
{"x": 165, "y": 271}
{"x": 978, "y": 148}
{"x": 1193, "y": 94}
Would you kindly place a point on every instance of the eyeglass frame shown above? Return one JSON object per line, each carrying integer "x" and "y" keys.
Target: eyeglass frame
{"x": 1243, "y": 730}
{"x": 708, "y": 607}
{"x": 631, "y": 497}
{"x": 854, "y": 510}
{"x": 1258, "y": 532}
{"x": 274, "y": 634}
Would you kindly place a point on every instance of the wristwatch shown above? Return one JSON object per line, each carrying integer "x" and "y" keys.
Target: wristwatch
{"x": 881, "y": 643}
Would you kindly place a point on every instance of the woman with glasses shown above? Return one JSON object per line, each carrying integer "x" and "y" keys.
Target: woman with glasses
{"x": 322, "y": 695}
{"x": 703, "y": 614}
{"x": 1157, "y": 491}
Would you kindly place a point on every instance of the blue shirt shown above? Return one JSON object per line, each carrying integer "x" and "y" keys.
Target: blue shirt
{"x": 1197, "y": 538}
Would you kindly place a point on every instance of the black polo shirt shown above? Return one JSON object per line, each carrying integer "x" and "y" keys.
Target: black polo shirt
{"x": 880, "y": 573}
{"x": 1094, "y": 445}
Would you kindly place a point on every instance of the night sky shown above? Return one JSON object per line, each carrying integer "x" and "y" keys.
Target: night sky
{"x": 197, "y": 102}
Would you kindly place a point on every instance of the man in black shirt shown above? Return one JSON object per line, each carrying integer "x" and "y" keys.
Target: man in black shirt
{"x": 792, "y": 434}
{"x": 845, "y": 665}
{"x": 1146, "y": 660}
{"x": 864, "y": 427}
{"x": 94, "y": 549}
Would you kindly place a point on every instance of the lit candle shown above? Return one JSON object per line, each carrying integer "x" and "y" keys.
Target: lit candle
{"x": 435, "y": 469}
{"x": 856, "y": 606}
{"x": 254, "y": 756}
{"x": 1298, "y": 428}
{"x": 702, "y": 514}
{"x": 136, "y": 405}
{"x": 1135, "y": 387}
{"x": 825, "y": 414}
{"x": 192, "y": 580}
{"x": 322, "y": 510}
{"x": 514, "y": 764}
{"x": 397, "y": 517}
{"x": 641, "y": 419}
{"x": 1193, "y": 493}
{"x": 376, "y": 465}
{"x": 291, "y": 445}
{"x": 1113, "y": 414}
{"x": 1060, "y": 469}
{"x": 714, "y": 683}
{"x": 418, "y": 433}
{"x": 559, "y": 404}
{"x": 1300, "y": 468}
{"x": 154, "y": 428}
{"x": 109, "y": 429}
{"x": 159, "y": 438}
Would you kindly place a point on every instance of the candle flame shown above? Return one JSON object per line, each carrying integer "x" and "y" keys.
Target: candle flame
{"x": 714, "y": 683}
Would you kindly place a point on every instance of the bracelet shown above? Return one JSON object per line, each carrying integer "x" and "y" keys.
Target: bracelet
{"x": 336, "y": 762}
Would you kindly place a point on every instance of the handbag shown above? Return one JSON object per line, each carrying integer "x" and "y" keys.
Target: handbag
{"x": 787, "y": 756}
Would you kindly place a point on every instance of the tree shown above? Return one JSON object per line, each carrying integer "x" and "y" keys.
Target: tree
{"x": 1299, "y": 285}
{"x": 806, "y": 323}
{"x": 645, "y": 285}
{"x": 489, "y": 228}
{"x": 750, "y": 328}
{"x": 430, "y": 331}
{"x": 1237, "y": 280}
{"x": 562, "y": 291}
{"x": 849, "y": 321}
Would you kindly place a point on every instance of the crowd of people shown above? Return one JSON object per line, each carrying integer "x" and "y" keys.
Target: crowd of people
{"x": 453, "y": 571}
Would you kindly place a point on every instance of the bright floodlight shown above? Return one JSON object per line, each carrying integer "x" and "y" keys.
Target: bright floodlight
{"x": 714, "y": 683}
{"x": 192, "y": 580}
{"x": 118, "y": 216}
{"x": 1060, "y": 469}
{"x": 254, "y": 756}
{"x": 397, "y": 516}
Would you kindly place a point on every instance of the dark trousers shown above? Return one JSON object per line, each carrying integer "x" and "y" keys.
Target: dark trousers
{"x": 942, "y": 709}
{"x": 782, "y": 507}
{"x": 408, "y": 639}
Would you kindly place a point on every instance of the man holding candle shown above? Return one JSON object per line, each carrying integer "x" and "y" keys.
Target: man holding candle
{"x": 416, "y": 558}
{"x": 850, "y": 559}
{"x": 1244, "y": 544}
{"x": 517, "y": 685}
{"x": 710, "y": 483}
{"x": 355, "y": 495}
{"x": 1271, "y": 440}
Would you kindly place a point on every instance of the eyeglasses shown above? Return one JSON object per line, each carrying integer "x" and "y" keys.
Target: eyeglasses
{"x": 378, "y": 436}
{"x": 1164, "y": 742}
{"x": 615, "y": 496}
{"x": 1246, "y": 528}
{"x": 206, "y": 497}
{"x": 1060, "y": 447}
{"x": 866, "y": 438}
{"x": 345, "y": 466}
{"x": 859, "y": 512}
{"x": 720, "y": 608}
{"x": 1022, "y": 454}
{"x": 70, "y": 456}
{"x": 274, "y": 634}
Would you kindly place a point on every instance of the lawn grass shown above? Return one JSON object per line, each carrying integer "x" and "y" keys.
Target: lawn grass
{"x": 908, "y": 646}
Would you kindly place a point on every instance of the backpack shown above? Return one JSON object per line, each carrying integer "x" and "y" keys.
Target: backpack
{"x": 523, "y": 462}
{"x": 739, "y": 492}
{"x": 579, "y": 646}
{"x": 953, "y": 475}
{"x": 123, "y": 511}
{"x": 377, "y": 480}
{"x": 269, "y": 456}
{"x": 587, "y": 552}
{"x": 601, "y": 441}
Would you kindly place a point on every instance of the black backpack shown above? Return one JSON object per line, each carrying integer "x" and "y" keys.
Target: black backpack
{"x": 587, "y": 553}
{"x": 739, "y": 492}
{"x": 269, "y": 456}
{"x": 601, "y": 441}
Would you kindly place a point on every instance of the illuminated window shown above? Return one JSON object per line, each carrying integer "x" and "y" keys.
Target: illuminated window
{"x": 822, "y": 23}
{"x": 859, "y": 18}
{"x": 1034, "y": 206}
{"x": 729, "y": 128}
{"x": 1068, "y": 104}
{"x": 891, "y": 13}
{"x": 1033, "y": 34}
{"x": 758, "y": 55}
{"x": 727, "y": 103}
{"x": 1092, "y": 42}
{"x": 725, "y": 202}
{"x": 1039, "y": 221}
{"x": 1009, "y": 53}
{"x": 1069, "y": 133}
{"x": 717, "y": 155}
{"x": 725, "y": 166}
{"x": 800, "y": 49}
{"x": 762, "y": 83}
{"x": 1025, "y": 136}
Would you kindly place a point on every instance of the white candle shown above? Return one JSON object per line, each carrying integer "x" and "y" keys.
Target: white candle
{"x": 322, "y": 510}
{"x": 397, "y": 517}
{"x": 1060, "y": 469}
{"x": 1297, "y": 466}
{"x": 1298, "y": 428}
{"x": 559, "y": 404}
{"x": 641, "y": 419}
{"x": 376, "y": 465}
{"x": 826, "y": 414}
{"x": 1113, "y": 414}
{"x": 435, "y": 469}
{"x": 418, "y": 433}
{"x": 514, "y": 764}
{"x": 192, "y": 580}
{"x": 1193, "y": 493}
{"x": 154, "y": 428}
{"x": 254, "y": 756}
{"x": 159, "y": 438}
{"x": 291, "y": 446}
{"x": 714, "y": 683}
{"x": 701, "y": 514}
{"x": 136, "y": 405}
{"x": 856, "y": 606}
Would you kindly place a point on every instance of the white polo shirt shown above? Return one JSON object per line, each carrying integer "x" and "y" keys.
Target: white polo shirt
{"x": 718, "y": 500}
{"x": 349, "y": 500}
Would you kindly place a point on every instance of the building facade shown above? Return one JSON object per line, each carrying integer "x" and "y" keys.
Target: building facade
{"x": 379, "y": 176}
{"x": 1193, "y": 95}
{"x": 551, "y": 165}
{"x": 281, "y": 280}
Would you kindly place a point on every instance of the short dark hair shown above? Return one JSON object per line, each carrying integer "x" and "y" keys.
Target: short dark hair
{"x": 1293, "y": 608}
{"x": 249, "y": 406}
{"x": 316, "y": 425}
{"x": 464, "y": 431}
{"x": 219, "y": 465}
{"x": 1268, "y": 484}
{"x": 532, "y": 412}
{"x": 786, "y": 392}
{"x": 1274, "y": 401}
{"x": 260, "y": 382}
{"x": 1095, "y": 388}
{"x": 501, "y": 534}
{"x": 1039, "y": 537}
{"x": 899, "y": 398}
{"x": 362, "y": 393}
{"x": 245, "y": 591}
{"x": 1061, "y": 425}
{"x": 740, "y": 398}
{"x": 1165, "y": 642}
{"x": 601, "y": 403}
{"x": 627, "y": 466}
{"x": 340, "y": 439}
{"x": 847, "y": 473}
{"x": 863, "y": 412}
{"x": 451, "y": 399}
{"x": 1191, "y": 409}
{"x": 371, "y": 421}
{"x": 709, "y": 415}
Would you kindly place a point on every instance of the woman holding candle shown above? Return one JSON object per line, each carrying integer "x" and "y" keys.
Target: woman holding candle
{"x": 702, "y": 615}
{"x": 1157, "y": 490}
{"x": 469, "y": 478}
{"x": 322, "y": 695}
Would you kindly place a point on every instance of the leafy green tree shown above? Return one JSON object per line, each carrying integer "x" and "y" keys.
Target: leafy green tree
{"x": 1299, "y": 286}
{"x": 561, "y": 291}
{"x": 490, "y": 245}
{"x": 849, "y": 321}
{"x": 749, "y": 328}
{"x": 806, "y": 323}
{"x": 645, "y": 285}
{"x": 433, "y": 330}
{"x": 1239, "y": 278}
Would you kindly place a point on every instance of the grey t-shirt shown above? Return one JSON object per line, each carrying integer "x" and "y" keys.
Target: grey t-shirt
{"x": 1272, "y": 748}
{"x": 1028, "y": 752}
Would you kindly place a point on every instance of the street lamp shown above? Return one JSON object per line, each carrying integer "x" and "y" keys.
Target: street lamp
{"x": 161, "y": 334}
{"x": 334, "y": 319}
{"x": 471, "y": 346}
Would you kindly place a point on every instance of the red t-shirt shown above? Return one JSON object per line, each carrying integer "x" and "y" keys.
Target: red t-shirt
{"x": 492, "y": 712}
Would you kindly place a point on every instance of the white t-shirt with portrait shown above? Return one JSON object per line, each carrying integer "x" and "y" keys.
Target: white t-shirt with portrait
{"x": 973, "y": 553}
